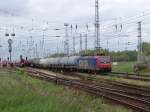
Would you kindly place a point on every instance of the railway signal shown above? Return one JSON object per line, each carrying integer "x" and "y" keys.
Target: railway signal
{"x": 10, "y": 42}
{"x": 7, "y": 34}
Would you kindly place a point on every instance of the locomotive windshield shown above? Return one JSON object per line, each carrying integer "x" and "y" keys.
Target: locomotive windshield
{"x": 105, "y": 59}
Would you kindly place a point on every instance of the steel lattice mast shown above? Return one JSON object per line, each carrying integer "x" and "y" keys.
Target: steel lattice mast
{"x": 97, "y": 26}
{"x": 140, "y": 52}
{"x": 66, "y": 44}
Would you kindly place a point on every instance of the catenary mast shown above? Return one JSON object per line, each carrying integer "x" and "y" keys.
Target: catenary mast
{"x": 97, "y": 26}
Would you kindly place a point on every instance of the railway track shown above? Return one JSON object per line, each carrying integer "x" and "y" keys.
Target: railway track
{"x": 129, "y": 76}
{"x": 137, "y": 98}
{"x": 123, "y": 75}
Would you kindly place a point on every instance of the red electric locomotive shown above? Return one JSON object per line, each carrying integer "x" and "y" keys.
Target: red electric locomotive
{"x": 94, "y": 63}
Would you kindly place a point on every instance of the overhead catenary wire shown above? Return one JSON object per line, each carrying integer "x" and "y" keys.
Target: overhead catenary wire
{"x": 112, "y": 35}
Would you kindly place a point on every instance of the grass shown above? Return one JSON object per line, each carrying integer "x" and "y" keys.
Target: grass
{"x": 128, "y": 68}
{"x": 124, "y": 67}
{"x": 20, "y": 93}
{"x": 146, "y": 71}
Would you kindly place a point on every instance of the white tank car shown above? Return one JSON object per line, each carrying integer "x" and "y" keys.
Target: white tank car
{"x": 59, "y": 62}
{"x": 34, "y": 62}
{"x": 73, "y": 60}
{"x": 68, "y": 61}
{"x": 63, "y": 61}
{"x": 44, "y": 62}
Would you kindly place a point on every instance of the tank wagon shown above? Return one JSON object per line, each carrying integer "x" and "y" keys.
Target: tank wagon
{"x": 74, "y": 63}
{"x": 34, "y": 62}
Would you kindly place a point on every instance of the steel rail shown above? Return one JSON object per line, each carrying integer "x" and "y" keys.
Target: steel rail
{"x": 127, "y": 100}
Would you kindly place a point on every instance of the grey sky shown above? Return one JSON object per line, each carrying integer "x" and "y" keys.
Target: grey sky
{"x": 25, "y": 14}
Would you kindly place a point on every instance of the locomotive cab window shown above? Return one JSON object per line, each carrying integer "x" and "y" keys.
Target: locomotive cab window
{"x": 104, "y": 59}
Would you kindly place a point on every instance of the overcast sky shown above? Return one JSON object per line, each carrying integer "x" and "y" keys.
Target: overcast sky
{"x": 25, "y": 15}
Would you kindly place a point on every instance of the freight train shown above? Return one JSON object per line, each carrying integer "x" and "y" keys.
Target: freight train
{"x": 74, "y": 63}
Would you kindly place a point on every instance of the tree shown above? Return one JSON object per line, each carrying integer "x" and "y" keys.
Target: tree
{"x": 146, "y": 48}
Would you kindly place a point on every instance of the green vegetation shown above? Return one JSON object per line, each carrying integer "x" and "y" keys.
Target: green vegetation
{"x": 20, "y": 93}
{"x": 128, "y": 68}
{"x": 122, "y": 56}
{"x": 146, "y": 48}
{"x": 119, "y": 56}
{"x": 116, "y": 56}
{"x": 146, "y": 71}
{"x": 124, "y": 67}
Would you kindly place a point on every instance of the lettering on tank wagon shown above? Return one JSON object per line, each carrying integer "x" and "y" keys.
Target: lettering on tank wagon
{"x": 83, "y": 64}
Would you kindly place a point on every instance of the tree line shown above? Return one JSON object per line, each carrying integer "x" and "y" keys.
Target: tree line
{"x": 116, "y": 56}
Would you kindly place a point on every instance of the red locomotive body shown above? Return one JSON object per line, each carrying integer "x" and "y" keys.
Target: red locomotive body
{"x": 94, "y": 63}
{"x": 103, "y": 63}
